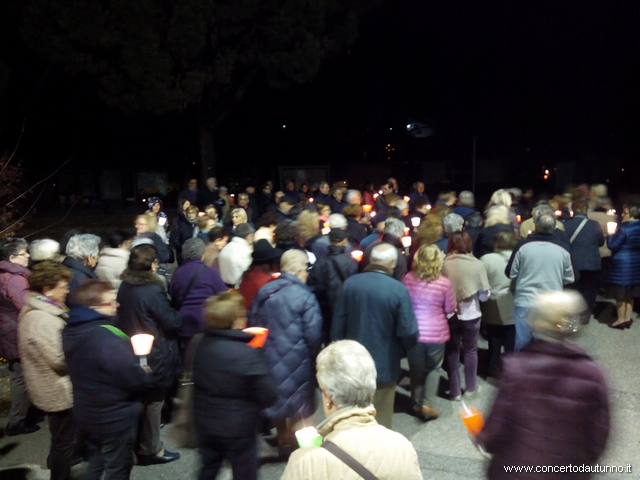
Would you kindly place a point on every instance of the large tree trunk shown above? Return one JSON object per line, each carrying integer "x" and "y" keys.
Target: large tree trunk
{"x": 207, "y": 154}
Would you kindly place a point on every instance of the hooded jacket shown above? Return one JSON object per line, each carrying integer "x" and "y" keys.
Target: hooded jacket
{"x": 105, "y": 373}
{"x": 291, "y": 312}
{"x": 40, "y": 328}
{"x": 145, "y": 308}
{"x": 14, "y": 285}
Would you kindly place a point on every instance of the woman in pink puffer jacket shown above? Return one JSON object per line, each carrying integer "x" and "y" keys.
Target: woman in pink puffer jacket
{"x": 433, "y": 300}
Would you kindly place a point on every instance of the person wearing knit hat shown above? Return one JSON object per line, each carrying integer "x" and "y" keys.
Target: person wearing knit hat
{"x": 265, "y": 266}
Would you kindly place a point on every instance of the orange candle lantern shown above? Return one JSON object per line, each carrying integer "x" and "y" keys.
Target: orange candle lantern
{"x": 407, "y": 230}
{"x": 472, "y": 419}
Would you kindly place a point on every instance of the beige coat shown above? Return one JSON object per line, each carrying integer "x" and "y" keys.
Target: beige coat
{"x": 111, "y": 263}
{"x": 602, "y": 218}
{"x": 40, "y": 327}
{"x": 385, "y": 453}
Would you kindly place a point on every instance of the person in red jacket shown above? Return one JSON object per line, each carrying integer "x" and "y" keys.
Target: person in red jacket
{"x": 552, "y": 407}
{"x": 266, "y": 261}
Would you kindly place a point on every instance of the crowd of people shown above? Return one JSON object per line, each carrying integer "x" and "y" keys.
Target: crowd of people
{"x": 348, "y": 282}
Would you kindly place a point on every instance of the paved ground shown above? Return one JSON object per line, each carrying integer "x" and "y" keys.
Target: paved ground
{"x": 444, "y": 449}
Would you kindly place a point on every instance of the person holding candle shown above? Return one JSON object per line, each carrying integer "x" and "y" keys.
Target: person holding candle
{"x": 623, "y": 280}
{"x": 288, "y": 308}
{"x": 145, "y": 308}
{"x": 433, "y": 300}
{"x": 552, "y": 406}
{"x": 157, "y": 219}
{"x": 347, "y": 379}
{"x": 230, "y": 392}
{"x": 107, "y": 380}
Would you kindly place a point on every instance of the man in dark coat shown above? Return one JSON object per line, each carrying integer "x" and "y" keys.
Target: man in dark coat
{"x": 145, "y": 308}
{"x": 107, "y": 380}
{"x": 209, "y": 195}
{"x": 230, "y": 392}
{"x": 552, "y": 407}
{"x": 191, "y": 192}
{"x": 291, "y": 312}
{"x": 585, "y": 251}
{"x": 328, "y": 274}
{"x": 393, "y": 232}
{"x": 375, "y": 310}
{"x": 82, "y": 256}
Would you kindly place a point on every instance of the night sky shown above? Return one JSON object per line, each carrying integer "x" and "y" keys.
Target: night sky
{"x": 539, "y": 82}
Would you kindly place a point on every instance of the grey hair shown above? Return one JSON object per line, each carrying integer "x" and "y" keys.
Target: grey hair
{"x": 193, "y": 249}
{"x": 12, "y": 246}
{"x": 466, "y": 198}
{"x": 43, "y": 249}
{"x": 322, "y": 184}
{"x": 542, "y": 209}
{"x": 351, "y": 193}
{"x": 545, "y": 224}
{"x": 394, "y": 227}
{"x": 244, "y": 230}
{"x": 294, "y": 260}
{"x": 337, "y": 221}
{"x": 83, "y": 246}
{"x": 555, "y": 314}
{"x": 452, "y": 223}
{"x": 384, "y": 253}
{"x": 401, "y": 205}
{"x": 347, "y": 374}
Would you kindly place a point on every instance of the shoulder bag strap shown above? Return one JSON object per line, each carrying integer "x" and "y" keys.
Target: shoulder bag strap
{"x": 351, "y": 462}
{"x": 179, "y": 303}
{"x": 575, "y": 234}
{"x": 264, "y": 300}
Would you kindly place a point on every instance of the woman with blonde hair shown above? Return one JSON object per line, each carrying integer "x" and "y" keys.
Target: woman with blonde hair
{"x": 433, "y": 300}
{"x": 308, "y": 227}
{"x": 497, "y": 221}
{"x": 238, "y": 216}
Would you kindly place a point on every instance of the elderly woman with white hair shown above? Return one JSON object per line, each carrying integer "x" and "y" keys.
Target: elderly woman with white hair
{"x": 552, "y": 406}
{"x": 450, "y": 224}
{"x": 347, "y": 378}
{"x": 45, "y": 249}
{"x": 82, "y": 258}
{"x": 288, "y": 308}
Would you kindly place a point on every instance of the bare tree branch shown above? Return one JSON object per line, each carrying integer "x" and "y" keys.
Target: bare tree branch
{"x": 56, "y": 223}
{"x": 27, "y": 212}
{"x": 38, "y": 183}
{"x": 16, "y": 147}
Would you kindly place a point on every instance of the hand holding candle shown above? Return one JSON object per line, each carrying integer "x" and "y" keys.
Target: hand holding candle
{"x": 611, "y": 227}
{"x": 308, "y": 437}
{"x": 260, "y": 336}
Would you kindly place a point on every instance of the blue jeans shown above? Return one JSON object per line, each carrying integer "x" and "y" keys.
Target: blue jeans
{"x": 524, "y": 334}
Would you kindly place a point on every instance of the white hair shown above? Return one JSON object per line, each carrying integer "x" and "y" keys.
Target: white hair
{"x": 43, "y": 249}
{"x": 347, "y": 373}
{"x": 466, "y": 198}
{"x": 557, "y": 313}
{"x": 452, "y": 223}
{"x": 293, "y": 261}
{"x": 394, "y": 227}
{"x": 83, "y": 246}
{"x": 401, "y": 205}
{"x": 351, "y": 194}
{"x": 337, "y": 221}
{"x": 384, "y": 253}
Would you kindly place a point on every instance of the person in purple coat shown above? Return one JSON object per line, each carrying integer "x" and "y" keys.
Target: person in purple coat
{"x": 552, "y": 407}
{"x": 191, "y": 285}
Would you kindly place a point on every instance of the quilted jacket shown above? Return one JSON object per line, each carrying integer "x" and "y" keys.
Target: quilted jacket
{"x": 13, "y": 288}
{"x": 291, "y": 312}
{"x": 385, "y": 453}
{"x": 625, "y": 259}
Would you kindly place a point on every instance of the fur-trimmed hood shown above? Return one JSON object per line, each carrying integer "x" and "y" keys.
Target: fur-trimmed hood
{"x": 141, "y": 278}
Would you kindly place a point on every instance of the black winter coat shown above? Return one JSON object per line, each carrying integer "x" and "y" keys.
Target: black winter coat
{"x": 145, "y": 308}
{"x": 486, "y": 238}
{"x": 402, "y": 267}
{"x": 80, "y": 272}
{"x": 230, "y": 392}
{"x": 326, "y": 278}
{"x": 105, "y": 373}
{"x": 357, "y": 232}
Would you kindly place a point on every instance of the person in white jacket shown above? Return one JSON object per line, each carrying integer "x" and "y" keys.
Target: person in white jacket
{"x": 235, "y": 257}
{"x": 113, "y": 259}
